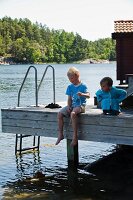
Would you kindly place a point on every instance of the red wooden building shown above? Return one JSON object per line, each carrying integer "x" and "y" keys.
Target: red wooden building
{"x": 123, "y": 35}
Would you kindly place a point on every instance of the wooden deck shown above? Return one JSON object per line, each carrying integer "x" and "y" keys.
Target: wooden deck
{"x": 93, "y": 125}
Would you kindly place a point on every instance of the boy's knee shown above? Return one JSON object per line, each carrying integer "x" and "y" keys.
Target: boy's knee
{"x": 60, "y": 115}
{"x": 105, "y": 104}
{"x": 73, "y": 115}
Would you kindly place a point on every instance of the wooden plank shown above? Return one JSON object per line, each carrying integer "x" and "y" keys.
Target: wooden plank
{"x": 120, "y": 121}
{"x": 109, "y": 138}
{"x": 30, "y": 131}
{"x": 102, "y": 120}
{"x": 40, "y": 115}
{"x": 87, "y": 128}
{"x": 106, "y": 130}
{"x": 16, "y": 114}
{"x": 30, "y": 123}
{"x": 84, "y": 131}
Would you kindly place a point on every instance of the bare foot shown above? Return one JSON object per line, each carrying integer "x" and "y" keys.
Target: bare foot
{"x": 59, "y": 139}
{"x": 74, "y": 142}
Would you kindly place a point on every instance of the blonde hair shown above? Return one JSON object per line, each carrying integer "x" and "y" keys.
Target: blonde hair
{"x": 73, "y": 71}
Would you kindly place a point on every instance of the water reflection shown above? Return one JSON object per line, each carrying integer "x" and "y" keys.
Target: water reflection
{"x": 25, "y": 166}
{"x": 110, "y": 178}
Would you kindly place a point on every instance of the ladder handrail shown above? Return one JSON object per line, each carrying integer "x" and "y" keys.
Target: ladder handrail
{"x": 36, "y": 89}
{"x": 49, "y": 66}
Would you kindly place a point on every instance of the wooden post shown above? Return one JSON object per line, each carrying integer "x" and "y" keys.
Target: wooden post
{"x": 38, "y": 146}
{"x": 34, "y": 140}
{"x": 20, "y": 150}
{"x": 73, "y": 181}
{"x": 16, "y": 143}
{"x": 72, "y": 155}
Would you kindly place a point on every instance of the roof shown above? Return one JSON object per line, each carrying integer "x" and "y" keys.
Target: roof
{"x": 123, "y": 26}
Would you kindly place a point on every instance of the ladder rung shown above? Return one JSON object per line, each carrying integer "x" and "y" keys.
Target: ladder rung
{"x": 22, "y": 136}
{"x": 19, "y": 138}
{"x": 28, "y": 148}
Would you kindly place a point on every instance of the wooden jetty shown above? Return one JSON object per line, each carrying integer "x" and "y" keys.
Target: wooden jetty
{"x": 93, "y": 126}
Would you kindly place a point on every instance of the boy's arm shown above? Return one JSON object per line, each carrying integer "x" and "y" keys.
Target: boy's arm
{"x": 84, "y": 92}
{"x": 122, "y": 95}
{"x": 69, "y": 101}
{"x": 99, "y": 96}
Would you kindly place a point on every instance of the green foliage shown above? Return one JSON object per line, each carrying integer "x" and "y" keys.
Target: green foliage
{"x": 102, "y": 49}
{"x": 28, "y": 42}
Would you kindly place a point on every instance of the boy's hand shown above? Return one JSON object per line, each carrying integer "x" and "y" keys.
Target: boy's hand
{"x": 79, "y": 94}
{"x": 69, "y": 109}
{"x": 86, "y": 95}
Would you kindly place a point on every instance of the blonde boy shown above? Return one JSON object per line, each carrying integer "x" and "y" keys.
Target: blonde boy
{"x": 77, "y": 93}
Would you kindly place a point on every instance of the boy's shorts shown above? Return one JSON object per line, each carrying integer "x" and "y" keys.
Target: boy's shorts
{"x": 67, "y": 114}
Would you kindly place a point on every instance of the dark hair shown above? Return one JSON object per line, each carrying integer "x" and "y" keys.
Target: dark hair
{"x": 108, "y": 80}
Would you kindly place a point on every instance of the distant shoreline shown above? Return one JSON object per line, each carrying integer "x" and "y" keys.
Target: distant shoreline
{"x": 93, "y": 61}
{"x": 86, "y": 61}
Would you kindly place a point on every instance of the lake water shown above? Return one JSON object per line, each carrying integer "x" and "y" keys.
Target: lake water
{"x": 16, "y": 171}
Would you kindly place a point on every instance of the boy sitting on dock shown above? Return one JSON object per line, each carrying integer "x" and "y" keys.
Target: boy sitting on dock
{"x": 77, "y": 93}
{"x": 110, "y": 97}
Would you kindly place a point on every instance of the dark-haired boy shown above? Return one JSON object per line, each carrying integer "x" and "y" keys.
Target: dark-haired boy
{"x": 110, "y": 97}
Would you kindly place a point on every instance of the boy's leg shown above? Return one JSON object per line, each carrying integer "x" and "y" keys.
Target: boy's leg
{"x": 63, "y": 112}
{"x": 107, "y": 112}
{"x": 74, "y": 119}
{"x": 115, "y": 112}
{"x": 115, "y": 107}
{"x": 60, "y": 126}
{"x": 105, "y": 104}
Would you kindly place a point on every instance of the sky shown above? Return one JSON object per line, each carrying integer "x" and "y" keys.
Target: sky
{"x": 92, "y": 19}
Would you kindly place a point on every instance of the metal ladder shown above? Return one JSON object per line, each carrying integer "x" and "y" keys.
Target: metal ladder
{"x": 19, "y": 137}
{"x": 49, "y": 66}
{"x": 36, "y": 89}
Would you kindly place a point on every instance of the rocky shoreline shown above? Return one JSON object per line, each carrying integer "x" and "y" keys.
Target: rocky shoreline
{"x": 9, "y": 61}
{"x": 93, "y": 61}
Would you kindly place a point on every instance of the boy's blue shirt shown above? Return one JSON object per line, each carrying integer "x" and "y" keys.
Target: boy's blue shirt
{"x": 111, "y": 99}
{"x": 72, "y": 91}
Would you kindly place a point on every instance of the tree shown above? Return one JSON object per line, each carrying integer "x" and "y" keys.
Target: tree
{"x": 33, "y": 53}
{"x": 25, "y": 42}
